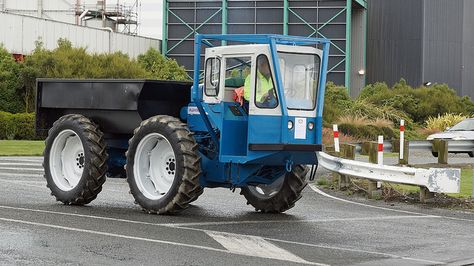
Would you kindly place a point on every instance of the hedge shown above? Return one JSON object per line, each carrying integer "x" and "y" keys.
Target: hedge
{"x": 20, "y": 126}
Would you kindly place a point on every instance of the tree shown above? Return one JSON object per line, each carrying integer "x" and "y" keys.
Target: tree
{"x": 10, "y": 83}
{"x": 161, "y": 67}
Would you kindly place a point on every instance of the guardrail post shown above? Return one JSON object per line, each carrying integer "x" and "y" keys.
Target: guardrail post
{"x": 406, "y": 151}
{"x": 364, "y": 148}
{"x": 425, "y": 194}
{"x": 329, "y": 149}
{"x": 347, "y": 152}
{"x": 440, "y": 146}
{"x": 373, "y": 158}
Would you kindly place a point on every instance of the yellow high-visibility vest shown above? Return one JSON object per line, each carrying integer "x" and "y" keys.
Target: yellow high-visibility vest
{"x": 263, "y": 86}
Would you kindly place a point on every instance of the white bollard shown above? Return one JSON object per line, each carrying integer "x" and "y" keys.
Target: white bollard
{"x": 402, "y": 138}
{"x": 336, "y": 138}
{"x": 380, "y": 156}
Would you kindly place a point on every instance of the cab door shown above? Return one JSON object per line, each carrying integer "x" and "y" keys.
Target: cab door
{"x": 265, "y": 119}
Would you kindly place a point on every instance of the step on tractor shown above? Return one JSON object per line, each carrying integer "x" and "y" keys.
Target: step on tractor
{"x": 252, "y": 120}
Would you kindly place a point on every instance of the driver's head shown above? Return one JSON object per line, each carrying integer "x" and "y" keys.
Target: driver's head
{"x": 264, "y": 66}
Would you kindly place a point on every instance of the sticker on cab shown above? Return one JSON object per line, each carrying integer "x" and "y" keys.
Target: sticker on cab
{"x": 300, "y": 128}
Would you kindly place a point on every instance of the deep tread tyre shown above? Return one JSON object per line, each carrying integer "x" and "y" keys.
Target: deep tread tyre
{"x": 435, "y": 154}
{"x": 163, "y": 165}
{"x": 471, "y": 154}
{"x": 284, "y": 198}
{"x": 75, "y": 170}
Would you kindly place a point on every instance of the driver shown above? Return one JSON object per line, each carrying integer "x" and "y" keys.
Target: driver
{"x": 265, "y": 94}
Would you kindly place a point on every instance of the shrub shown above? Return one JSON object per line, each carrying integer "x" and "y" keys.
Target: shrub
{"x": 19, "y": 126}
{"x": 328, "y": 137}
{"x": 441, "y": 122}
{"x": 362, "y": 128}
{"x": 354, "y": 120}
{"x": 366, "y": 132}
{"x": 417, "y": 103}
{"x": 336, "y": 101}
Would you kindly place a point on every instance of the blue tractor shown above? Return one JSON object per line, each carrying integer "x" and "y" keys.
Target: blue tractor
{"x": 251, "y": 120}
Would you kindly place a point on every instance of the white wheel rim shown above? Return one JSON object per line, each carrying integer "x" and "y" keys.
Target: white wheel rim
{"x": 66, "y": 160}
{"x": 154, "y": 168}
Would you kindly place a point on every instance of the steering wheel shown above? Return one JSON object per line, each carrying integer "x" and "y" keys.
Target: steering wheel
{"x": 269, "y": 99}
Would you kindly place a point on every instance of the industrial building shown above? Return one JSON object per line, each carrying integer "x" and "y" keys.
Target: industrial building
{"x": 98, "y": 25}
{"x": 342, "y": 21}
{"x": 423, "y": 41}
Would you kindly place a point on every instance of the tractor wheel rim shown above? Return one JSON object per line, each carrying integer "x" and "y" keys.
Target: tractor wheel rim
{"x": 67, "y": 160}
{"x": 155, "y": 166}
{"x": 270, "y": 190}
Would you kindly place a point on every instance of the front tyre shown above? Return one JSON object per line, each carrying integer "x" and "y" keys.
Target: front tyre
{"x": 163, "y": 165}
{"x": 75, "y": 160}
{"x": 279, "y": 196}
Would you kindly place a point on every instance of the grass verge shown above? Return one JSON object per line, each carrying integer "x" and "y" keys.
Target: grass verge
{"x": 21, "y": 147}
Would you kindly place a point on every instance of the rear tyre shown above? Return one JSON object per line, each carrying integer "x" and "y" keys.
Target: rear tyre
{"x": 163, "y": 165}
{"x": 435, "y": 154}
{"x": 279, "y": 196}
{"x": 75, "y": 160}
{"x": 471, "y": 154}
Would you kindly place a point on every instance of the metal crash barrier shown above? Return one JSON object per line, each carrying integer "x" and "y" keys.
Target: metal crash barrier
{"x": 440, "y": 180}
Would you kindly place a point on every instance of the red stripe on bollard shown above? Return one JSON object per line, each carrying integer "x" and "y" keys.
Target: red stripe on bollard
{"x": 380, "y": 146}
{"x": 402, "y": 128}
{"x": 336, "y": 134}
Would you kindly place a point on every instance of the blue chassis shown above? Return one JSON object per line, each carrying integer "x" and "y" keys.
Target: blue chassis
{"x": 232, "y": 163}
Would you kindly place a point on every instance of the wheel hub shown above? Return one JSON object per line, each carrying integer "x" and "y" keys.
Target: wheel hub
{"x": 170, "y": 166}
{"x": 80, "y": 160}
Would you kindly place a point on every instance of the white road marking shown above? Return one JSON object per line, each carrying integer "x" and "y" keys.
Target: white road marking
{"x": 210, "y": 231}
{"x": 322, "y": 193}
{"x": 303, "y": 221}
{"x": 22, "y": 169}
{"x": 23, "y": 183}
{"x": 40, "y": 161}
{"x": 388, "y": 255}
{"x": 254, "y": 246}
{"x": 94, "y": 232}
{"x": 28, "y": 175}
{"x": 22, "y": 164}
{"x": 222, "y": 223}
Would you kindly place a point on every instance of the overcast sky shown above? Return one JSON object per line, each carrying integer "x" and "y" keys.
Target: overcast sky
{"x": 151, "y": 18}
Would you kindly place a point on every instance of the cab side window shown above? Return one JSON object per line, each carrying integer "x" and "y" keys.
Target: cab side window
{"x": 213, "y": 66}
{"x": 265, "y": 94}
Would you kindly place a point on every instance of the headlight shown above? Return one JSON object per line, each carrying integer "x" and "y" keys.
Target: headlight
{"x": 310, "y": 125}
{"x": 290, "y": 124}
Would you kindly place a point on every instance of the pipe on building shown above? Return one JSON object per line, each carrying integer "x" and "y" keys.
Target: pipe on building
{"x": 111, "y": 32}
{"x": 82, "y": 16}
{"x": 40, "y": 8}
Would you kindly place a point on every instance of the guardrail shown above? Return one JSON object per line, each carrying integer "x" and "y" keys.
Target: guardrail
{"x": 440, "y": 147}
{"x": 441, "y": 180}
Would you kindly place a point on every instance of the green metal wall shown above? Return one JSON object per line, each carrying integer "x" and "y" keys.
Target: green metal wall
{"x": 330, "y": 19}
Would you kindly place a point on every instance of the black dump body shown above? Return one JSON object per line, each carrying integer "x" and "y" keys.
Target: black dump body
{"x": 118, "y": 106}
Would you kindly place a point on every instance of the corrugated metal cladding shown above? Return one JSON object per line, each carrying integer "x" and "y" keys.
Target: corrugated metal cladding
{"x": 19, "y": 33}
{"x": 422, "y": 41}
{"x": 315, "y": 18}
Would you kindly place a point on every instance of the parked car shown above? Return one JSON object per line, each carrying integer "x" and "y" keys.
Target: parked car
{"x": 463, "y": 130}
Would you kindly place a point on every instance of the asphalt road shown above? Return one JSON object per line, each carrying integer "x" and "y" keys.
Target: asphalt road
{"x": 219, "y": 229}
